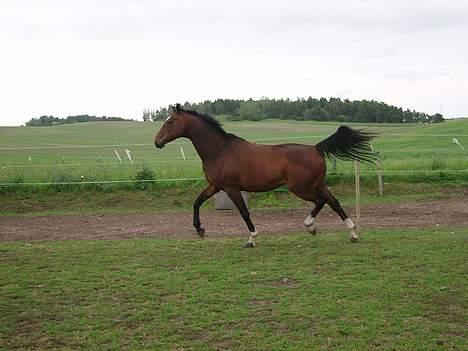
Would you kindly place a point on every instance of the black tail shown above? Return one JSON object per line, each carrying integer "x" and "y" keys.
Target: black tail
{"x": 348, "y": 144}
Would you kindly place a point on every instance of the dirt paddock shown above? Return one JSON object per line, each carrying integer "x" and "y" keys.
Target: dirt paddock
{"x": 433, "y": 214}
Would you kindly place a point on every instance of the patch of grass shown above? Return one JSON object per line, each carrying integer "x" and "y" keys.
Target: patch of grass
{"x": 181, "y": 199}
{"x": 396, "y": 289}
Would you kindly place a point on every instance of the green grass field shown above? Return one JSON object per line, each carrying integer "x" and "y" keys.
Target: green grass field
{"x": 85, "y": 151}
{"x": 395, "y": 290}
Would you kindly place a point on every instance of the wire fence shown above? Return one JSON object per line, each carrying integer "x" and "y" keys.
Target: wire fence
{"x": 181, "y": 160}
{"x": 98, "y": 160}
{"x": 107, "y": 182}
{"x": 61, "y": 159}
{"x": 193, "y": 179}
{"x": 98, "y": 164}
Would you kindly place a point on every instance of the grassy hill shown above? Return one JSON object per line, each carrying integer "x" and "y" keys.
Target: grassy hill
{"x": 86, "y": 151}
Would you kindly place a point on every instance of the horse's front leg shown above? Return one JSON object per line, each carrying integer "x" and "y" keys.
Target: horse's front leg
{"x": 236, "y": 197}
{"x": 204, "y": 195}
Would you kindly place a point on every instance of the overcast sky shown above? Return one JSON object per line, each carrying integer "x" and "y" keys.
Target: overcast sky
{"x": 115, "y": 58}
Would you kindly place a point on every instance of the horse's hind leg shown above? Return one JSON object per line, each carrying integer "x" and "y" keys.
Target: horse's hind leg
{"x": 336, "y": 206}
{"x": 309, "y": 194}
{"x": 236, "y": 197}
{"x": 309, "y": 222}
{"x": 320, "y": 196}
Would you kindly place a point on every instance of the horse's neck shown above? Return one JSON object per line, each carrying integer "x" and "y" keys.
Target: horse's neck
{"x": 208, "y": 143}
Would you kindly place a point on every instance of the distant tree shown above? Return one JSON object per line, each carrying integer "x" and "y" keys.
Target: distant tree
{"x": 51, "y": 120}
{"x": 159, "y": 115}
{"x": 342, "y": 118}
{"x": 251, "y": 110}
{"x": 317, "y": 113}
{"x": 332, "y": 109}
{"x": 437, "y": 118}
{"x": 146, "y": 115}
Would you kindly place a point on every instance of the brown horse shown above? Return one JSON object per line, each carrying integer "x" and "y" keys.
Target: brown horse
{"x": 233, "y": 164}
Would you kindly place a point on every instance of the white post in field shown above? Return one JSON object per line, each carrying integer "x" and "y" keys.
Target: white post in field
{"x": 455, "y": 141}
{"x": 129, "y": 155}
{"x": 182, "y": 152}
{"x": 118, "y": 156}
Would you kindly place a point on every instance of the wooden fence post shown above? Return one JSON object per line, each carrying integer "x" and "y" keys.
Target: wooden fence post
{"x": 358, "y": 196}
{"x": 379, "y": 176}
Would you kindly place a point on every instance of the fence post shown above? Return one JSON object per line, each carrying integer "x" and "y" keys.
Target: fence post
{"x": 118, "y": 156}
{"x": 129, "y": 155}
{"x": 358, "y": 196}
{"x": 182, "y": 152}
{"x": 379, "y": 176}
{"x": 455, "y": 141}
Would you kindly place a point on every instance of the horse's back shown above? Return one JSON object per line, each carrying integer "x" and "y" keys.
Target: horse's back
{"x": 302, "y": 154}
{"x": 257, "y": 167}
{"x": 253, "y": 167}
{"x": 280, "y": 155}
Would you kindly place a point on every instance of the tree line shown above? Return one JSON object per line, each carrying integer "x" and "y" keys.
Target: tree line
{"x": 332, "y": 109}
{"x": 51, "y": 120}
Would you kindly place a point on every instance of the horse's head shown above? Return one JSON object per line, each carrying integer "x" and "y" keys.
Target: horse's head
{"x": 174, "y": 127}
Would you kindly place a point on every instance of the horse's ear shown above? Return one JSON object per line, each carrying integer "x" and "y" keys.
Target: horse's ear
{"x": 178, "y": 108}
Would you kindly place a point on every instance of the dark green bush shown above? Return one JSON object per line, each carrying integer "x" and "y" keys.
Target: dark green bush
{"x": 144, "y": 177}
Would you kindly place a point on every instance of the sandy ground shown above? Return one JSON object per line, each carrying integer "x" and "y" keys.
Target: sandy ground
{"x": 444, "y": 213}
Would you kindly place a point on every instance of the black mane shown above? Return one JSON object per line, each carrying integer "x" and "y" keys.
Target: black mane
{"x": 210, "y": 120}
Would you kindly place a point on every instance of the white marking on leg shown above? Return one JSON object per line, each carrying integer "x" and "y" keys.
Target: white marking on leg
{"x": 309, "y": 221}
{"x": 309, "y": 224}
{"x": 349, "y": 223}
{"x": 252, "y": 237}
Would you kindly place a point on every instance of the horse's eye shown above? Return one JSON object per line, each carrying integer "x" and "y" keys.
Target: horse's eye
{"x": 170, "y": 121}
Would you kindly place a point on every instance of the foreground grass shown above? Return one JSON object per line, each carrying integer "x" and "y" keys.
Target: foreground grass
{"x": 400, "y": 290}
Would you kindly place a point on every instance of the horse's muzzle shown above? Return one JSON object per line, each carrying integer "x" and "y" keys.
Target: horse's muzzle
{"x": 159, "y": 146}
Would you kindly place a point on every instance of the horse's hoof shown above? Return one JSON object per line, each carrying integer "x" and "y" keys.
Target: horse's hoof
{"x": 312, "y": 230}
{"x": 201, "y": 232}
{"x": 354, "y": 239}
{"x": 249, "y": 244}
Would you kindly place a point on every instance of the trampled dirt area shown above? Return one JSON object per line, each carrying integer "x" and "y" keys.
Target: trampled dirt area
{"x": 433, "y": 214}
